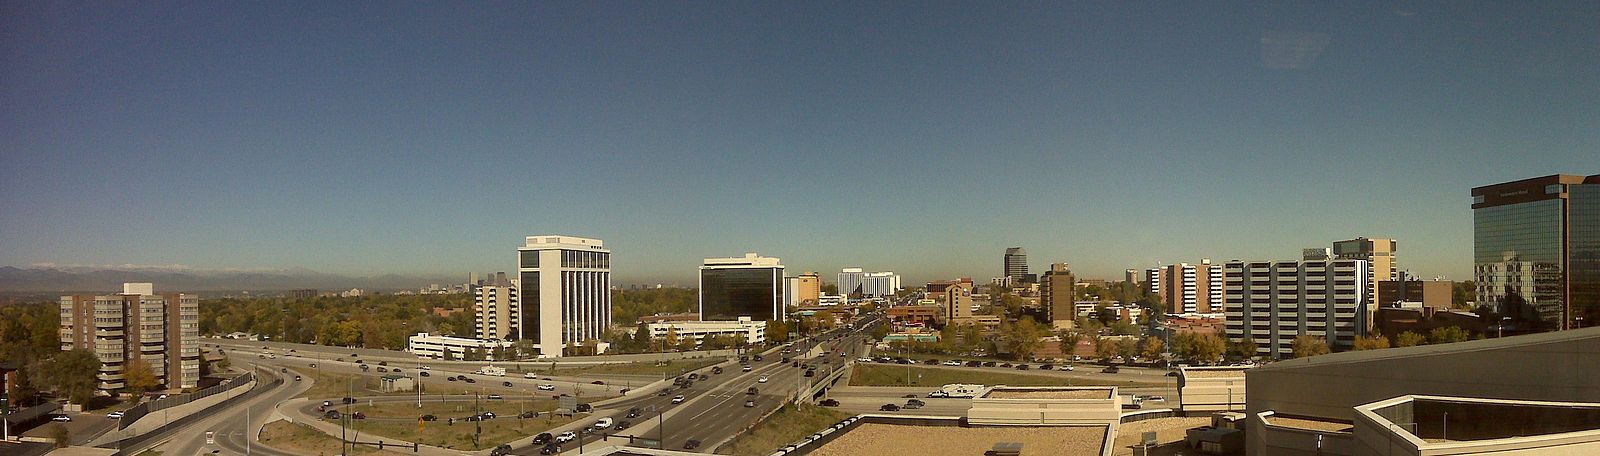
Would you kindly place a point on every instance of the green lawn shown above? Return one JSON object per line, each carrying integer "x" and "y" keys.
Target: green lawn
{"x": 304, "y": 440}
{"x": 455, "y": 407}
{"x": 458, "y": 436}
{"x": 336, "y": 386}
{"x": 896, "y": 375}
{"x": 790, "y": 424}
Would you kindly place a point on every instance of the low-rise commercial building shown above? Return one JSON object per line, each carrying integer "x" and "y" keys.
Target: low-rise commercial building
{"x": 1047, "y": 406}
{"x": 436, "y": 346}
{"x": 752, "y": 332}
{"x": 1211, "y": 389}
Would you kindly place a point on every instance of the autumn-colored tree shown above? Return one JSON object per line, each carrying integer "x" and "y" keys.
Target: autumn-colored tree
{"x": 1068, "y": 342}
{"x": 1409, "y": 339}
{"x": 1447, "y": 334}
{"x": 1307, "y": 346}
{"x": 1209, "y": 348}
{"x": 1152, "y": 348}
{"x": 138, "y": 376}
{"x": 1376, "y": 342}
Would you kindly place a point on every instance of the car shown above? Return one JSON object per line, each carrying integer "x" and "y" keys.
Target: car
{"x": 468, "y": 379}
{"x": 757, "y": 358}
{"x": 911, "y": 406}
{"x": 829, "y": 403}
{"x": 909, "y": 396}
{"x": 664, "y": 391}
{"x": 931, "y": 361}
{"x": 396, "y": 370}
{"x": 383, "y": 369}
{"x": 505, "y": 384}
{"x": 283, "y": 370}
{"x": 624, "y": 424}
{"x": 974, "y": 364}
{"x": 1172, "y": 374}
{"x": 550, "y": 448}
{"x": 313, "y": 365}
{"x": 1156, "y": 398}
{"x": 327, "y": 403}
{"x": 750, "y": 403}
{"x": 938, "y": 394}
{"x": 863, "y": 360}
{"x": 677, "y": 399}
{"x": 494, "y": 396}
{"x": 428, "y": 417}
{"x": 503, "y": 449}
{"x": 546, "y": 387}
{"x": 566, "y": 437}
{"x": 383, "y": 363}
{"x": 988, "y": 364}
{"x": 752, "y": 391}
{"x": 916, "y": 401}
{"x": 634, "y": 412}
{"x": 716, "y": 370}
{"x": 951, "y": 363}
{"x": 424, "y": 367}
{"x": 889, "y": 408}
{"x": 543, "y": 438}
{"x": 424, "y": 374}
{"x": 624, "y": 391}
{"x": 763, "y": 379}
{"x": 597, "y": 382}
{"x": 528, "y": 414}
{"x": 745, "y": 369}
{"x": 796, "y": 364}
{"x": 603, "y": 423}
{"x": 1067, "y": 368}
{"x": 349, "y": 400}
{"x": 584, "y": 408}
{"x": 1005, "y": 364}
{"x": 691, "y": 444}
{"x": 451, "y": 378}
{"x": 1047, "y": 367}
{"x": 358, "y": 416}
{"x": 811, "y": 373}
{"x": 114, "y": 415}
{"x": 364, "y": 367}
{"x": 1022, "y": 367}
{"x": 1110, "y": 370}
{"x": 332, "y": 415}
{"x": 297, "y": 378}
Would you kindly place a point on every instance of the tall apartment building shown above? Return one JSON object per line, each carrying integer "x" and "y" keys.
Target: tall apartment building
{"x": 564, "y": 288}
{"x": 1536, "y": 251}
{"x": 1131, "y": 276}
{"x": 161, "y": 329}
{"x": 955, "y": 296}
{"x": 1273, "y": 302}
{"x": 1152, "y": 281}
{"x": 1016, "y": 265}
{"x": 498, "y": 312}
{"x": 1058, "y": 290}
{"x": 749, "y": 286}
{"x": 870, "y": 284}
{"x": 1380, "y": 256}
{"x": 803, "y": 290}
{"x": 1188, "y": 288}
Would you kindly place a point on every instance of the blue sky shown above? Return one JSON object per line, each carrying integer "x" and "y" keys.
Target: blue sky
{"x": 429, "y": 138}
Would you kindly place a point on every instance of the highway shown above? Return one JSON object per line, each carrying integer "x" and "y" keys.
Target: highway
{"x": 228, "y": 424}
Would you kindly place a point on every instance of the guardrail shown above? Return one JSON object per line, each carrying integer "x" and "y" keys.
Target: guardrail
{"x": 133, "y": 414}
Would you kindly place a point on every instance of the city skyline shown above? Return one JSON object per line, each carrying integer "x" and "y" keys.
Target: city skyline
{"x": 429, "y": 141}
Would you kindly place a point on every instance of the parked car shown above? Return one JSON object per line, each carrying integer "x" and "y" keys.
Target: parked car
{"x": 988, "y": 364}
{"x": 974, "y": 363}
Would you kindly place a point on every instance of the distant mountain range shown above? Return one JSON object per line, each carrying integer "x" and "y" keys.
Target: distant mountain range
{"x": 89, "y": 279}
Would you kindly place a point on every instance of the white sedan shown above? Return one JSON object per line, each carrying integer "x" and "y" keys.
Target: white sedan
{"x": 547, "y": 387}
{"x": 763, "y": 379}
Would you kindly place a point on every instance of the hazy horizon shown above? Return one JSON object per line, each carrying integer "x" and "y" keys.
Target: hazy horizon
{"x": 421, "y": 139}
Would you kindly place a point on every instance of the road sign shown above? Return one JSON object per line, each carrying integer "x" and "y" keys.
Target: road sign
{"x": 569, "y": 403}
{"x": 211, "y": 438}
{"x": 1147, "y": 438}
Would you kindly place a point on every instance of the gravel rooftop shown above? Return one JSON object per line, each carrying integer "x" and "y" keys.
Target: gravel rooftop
{"x": 874, "y": 438}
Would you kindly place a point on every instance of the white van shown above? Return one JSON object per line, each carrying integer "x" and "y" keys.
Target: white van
{"x": 530, "y": 376}
{"x": 603, "y": 424}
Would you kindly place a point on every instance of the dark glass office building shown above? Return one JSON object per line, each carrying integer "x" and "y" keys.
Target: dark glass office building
{"x": 1536, "y": 252}
{"x": 751, "y": 286}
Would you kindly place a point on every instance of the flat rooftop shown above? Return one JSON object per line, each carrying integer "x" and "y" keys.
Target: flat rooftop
{"x": 1048, "y": 394}
{"x": 874, "y": 438}
{"x": 1310, "y": 424}
{"x": 1191, "y": 373}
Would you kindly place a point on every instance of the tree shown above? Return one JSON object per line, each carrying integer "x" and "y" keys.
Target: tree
{"x": 1209, "y": 348}
{"x": 830, "y": 289}
{"x": 1068, "y": 342}
{"x": 1462, "y": 293}
{"x": 880, "y": 331}
{"x": 1377, "y": 342}
{"x": 686, "y": 344}
{"x": 138, "y": 377}
{"x": 1152, "y": 348}
{"x": 1447, "y": 334}
{"x": 61, "y": 436}
{"x": 71, "y": 373}
{"x": 1308, "y": 346}
{"x": 1105, "y": 348}
{"x": 1021, "y": 338}
{"x": 1183, "y": 346}
{"x": 1244, "y": 348}
{"x": 1127, "y": 347}
{"x": 777, "y": 331}
{"x": 1409, "y": 339}
{"x": 641, "y": 336}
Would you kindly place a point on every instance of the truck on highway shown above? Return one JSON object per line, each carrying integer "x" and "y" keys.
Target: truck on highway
{"x": 492, "y": 370}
